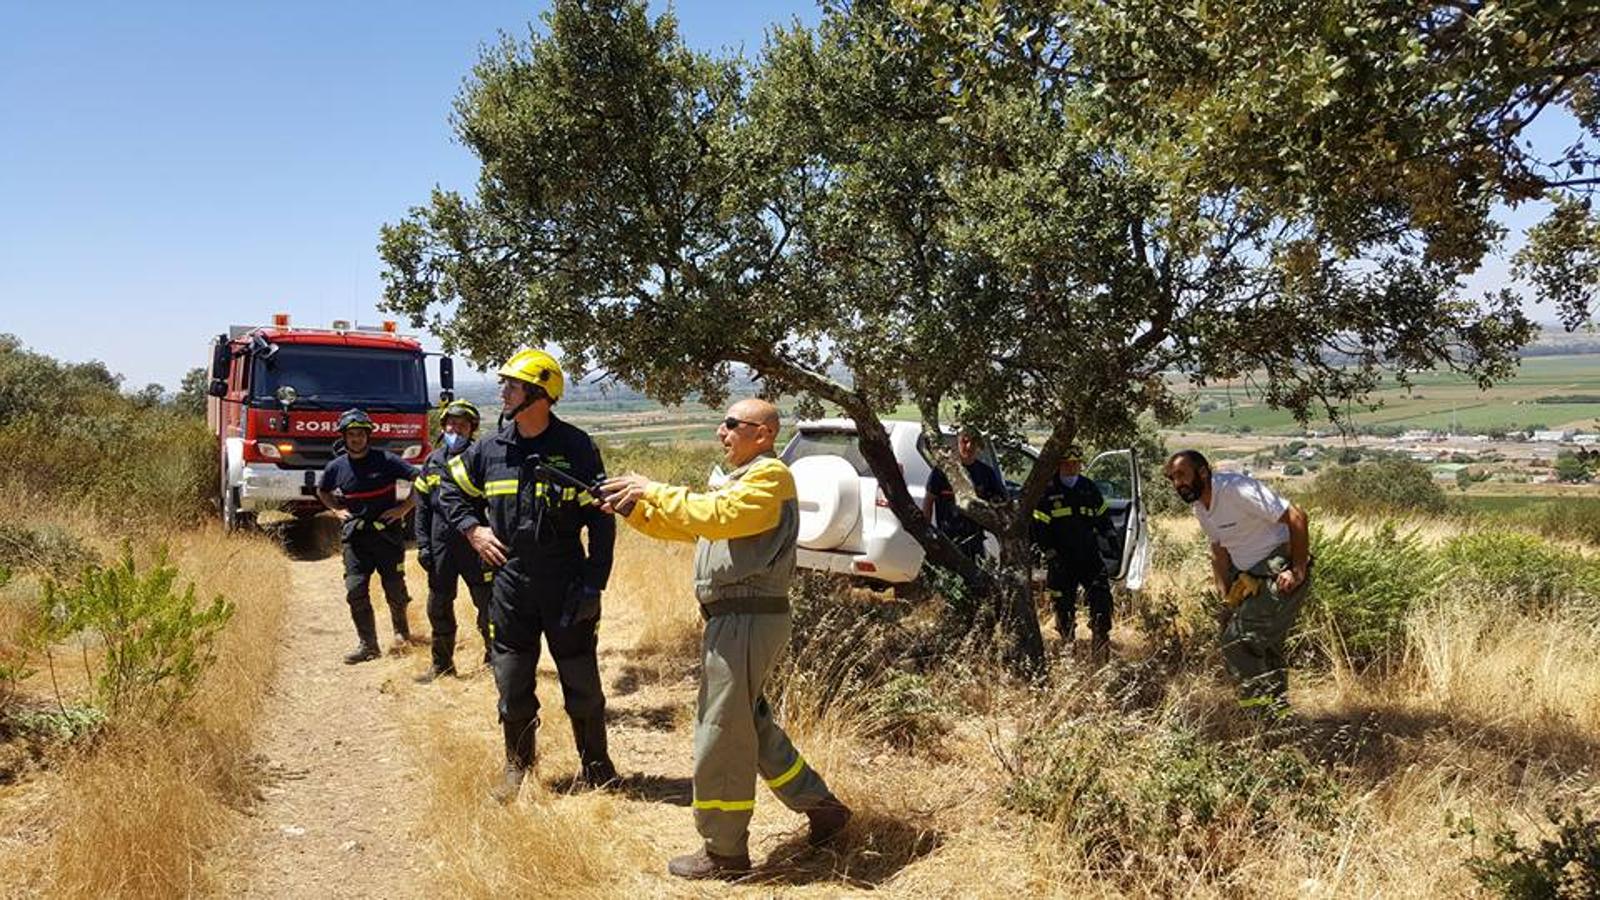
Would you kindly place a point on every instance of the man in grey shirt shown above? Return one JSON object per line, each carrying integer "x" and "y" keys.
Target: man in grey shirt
{"x": 1261, "y": 563}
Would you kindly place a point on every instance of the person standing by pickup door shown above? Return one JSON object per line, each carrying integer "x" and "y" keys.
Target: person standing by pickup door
{"x": 1068, "y": 524}
{"x": 986, "y": 481}
{"x": 444, "y": 552}
{"x": 519, "y": 497}
{"x": 1261, "y": 567}
{"x": 745, "y": 532}
{"x": 359, "y": 486}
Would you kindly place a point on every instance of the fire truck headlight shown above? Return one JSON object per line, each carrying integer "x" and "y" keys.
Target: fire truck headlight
{"x": 410, "y": 452}
{"x": 268, "y": 450}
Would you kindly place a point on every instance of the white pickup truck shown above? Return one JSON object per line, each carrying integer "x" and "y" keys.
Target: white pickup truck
{"x": 847, "y": 527}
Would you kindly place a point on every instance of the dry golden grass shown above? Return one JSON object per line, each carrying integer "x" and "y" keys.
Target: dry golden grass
{"x": 134, "y": 813}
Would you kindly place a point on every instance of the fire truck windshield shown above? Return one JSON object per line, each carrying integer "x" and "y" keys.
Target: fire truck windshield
{"x": 326, "y": 377}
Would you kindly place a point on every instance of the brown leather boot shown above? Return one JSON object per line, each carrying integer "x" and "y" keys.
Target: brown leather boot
{"x": 704, "y": 864}
{"x": 827, "y": 821}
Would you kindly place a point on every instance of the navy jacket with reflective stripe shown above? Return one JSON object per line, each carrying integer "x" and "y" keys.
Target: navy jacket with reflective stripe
{"x": 496, "y": 482}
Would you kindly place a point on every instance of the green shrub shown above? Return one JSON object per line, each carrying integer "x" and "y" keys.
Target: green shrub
{"x": 157, "y": 641}
{"x": 1362, "y": 588}
{"x": 1573, "y": 518}
{"x": 907, "y": 712}
{"x": 1566, "y": 866}
{"x": 1392, "y": 485}
{"x": 1134, "y": 795}
{"x": 68, "y": 433}
{"x": 1515, "y": 564}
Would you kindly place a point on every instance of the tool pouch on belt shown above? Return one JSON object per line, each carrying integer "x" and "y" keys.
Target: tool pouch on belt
{"x": 1243, "y": 588}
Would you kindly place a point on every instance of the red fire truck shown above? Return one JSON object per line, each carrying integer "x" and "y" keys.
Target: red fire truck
{"x": 276, "y": 392}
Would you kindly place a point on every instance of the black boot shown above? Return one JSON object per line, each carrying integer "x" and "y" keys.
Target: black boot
{"x": 1100, "y": 648}
{"x": 443, "y": 660}
{"x": 595, "y": 767}
{"x": 519, "y": 758}
{"x": 397, "y": 618}
{"x": 366, "y": 634}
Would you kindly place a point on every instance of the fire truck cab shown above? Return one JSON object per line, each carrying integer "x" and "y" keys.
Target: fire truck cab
{"x": 277, "y": 391}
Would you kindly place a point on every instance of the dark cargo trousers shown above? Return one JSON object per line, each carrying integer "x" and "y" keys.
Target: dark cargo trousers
{"x": 375, "y": 547}
{"x": 456, "y": 563}
{"x": 1064, "y": 579}
{"x": 522, "y": 608}
{"x": 1254, "y": 637}
{"x": 734, "y": 734}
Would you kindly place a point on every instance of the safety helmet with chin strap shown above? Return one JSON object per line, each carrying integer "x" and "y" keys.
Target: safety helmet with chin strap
{"x": 535, "y": 368}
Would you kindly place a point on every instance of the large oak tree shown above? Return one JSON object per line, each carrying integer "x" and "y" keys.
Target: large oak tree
{"x": 1012, "y": 213}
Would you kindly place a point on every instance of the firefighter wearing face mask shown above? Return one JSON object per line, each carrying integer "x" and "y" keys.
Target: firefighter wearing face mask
{"x": 1068, "y": 525}
{"x": 520, "y": 499}
{"x": 442, "y": 551}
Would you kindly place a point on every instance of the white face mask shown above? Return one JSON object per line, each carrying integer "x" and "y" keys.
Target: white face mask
{"x": 453, "y": 441}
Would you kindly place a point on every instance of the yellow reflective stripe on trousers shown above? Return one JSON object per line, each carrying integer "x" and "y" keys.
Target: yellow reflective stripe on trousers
{"x": 1063, "y": 511}
{"x": 458, "y": 472}
{"x": 726, "y": 805}
{"x": 500, "y": 487}
{"x": 792, "y": 774}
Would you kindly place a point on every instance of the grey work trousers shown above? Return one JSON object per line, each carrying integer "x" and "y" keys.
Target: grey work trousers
{"x": 1254, "y": 637}
{"x": 735, "y": 736}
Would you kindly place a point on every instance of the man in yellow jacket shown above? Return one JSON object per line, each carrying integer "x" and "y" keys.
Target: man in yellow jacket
{"x": 745, "y": 533}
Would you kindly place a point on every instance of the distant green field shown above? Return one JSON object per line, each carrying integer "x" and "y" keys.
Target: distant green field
{"x": 1435, "y": 401}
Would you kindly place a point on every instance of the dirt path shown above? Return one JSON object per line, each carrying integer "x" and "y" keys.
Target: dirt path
{"x": 336, "y": 808}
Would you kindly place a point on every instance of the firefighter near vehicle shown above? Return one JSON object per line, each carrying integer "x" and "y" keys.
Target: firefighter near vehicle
{"x": 274, "y": 402}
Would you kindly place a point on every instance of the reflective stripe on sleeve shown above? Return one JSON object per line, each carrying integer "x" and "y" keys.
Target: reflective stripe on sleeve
{"x": 500, "y": 487}
{"x": 1041, "y": 515}
{"x": 458, "y": 473}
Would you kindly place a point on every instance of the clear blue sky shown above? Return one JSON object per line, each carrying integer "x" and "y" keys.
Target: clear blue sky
{"x": 169, "y": 168}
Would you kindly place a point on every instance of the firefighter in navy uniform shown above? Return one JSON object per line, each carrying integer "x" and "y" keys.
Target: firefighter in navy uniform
{"x": 519, "y": 499}
{"x": 967, "y": 535}
{"x": 359, "y": 486}
{"x": 444, "y": 552}
{"x": 1068, "y": 522}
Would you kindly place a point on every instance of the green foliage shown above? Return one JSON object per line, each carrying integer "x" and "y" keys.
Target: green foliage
{"x": 1574, "y": 518}
{"x": 1572, "y": 468}
{"x": 1364, "y": 585}
{"x": 907, "y": 712}
{"x": 1294, "y": 469}
{"x": 191, "y": 397}
{"x": 1392, "y": 485}
{"x": 1132, "y": 795}
{"x": 1532, "y": 573}
{"x": 67, "y": 433}
{"x": 67, "y": 723}
{"x": 157, "y": 641}
{"x": 1565, "y": 866}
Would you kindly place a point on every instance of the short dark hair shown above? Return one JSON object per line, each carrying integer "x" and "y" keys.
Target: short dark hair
{"x": 1195, "y": 459}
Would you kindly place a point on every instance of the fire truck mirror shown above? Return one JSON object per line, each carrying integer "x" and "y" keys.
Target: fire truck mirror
{"x": 287, "y": 395}
{"x": 221, "y": 357}
{"x": 447, "y": 378}
{"x": 218, "y": 388}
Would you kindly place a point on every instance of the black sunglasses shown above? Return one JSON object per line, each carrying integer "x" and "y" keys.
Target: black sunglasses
{"x": 732, "y": 424}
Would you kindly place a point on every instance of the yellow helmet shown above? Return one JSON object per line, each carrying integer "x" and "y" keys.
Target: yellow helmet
{"x": 537, "y": 368}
